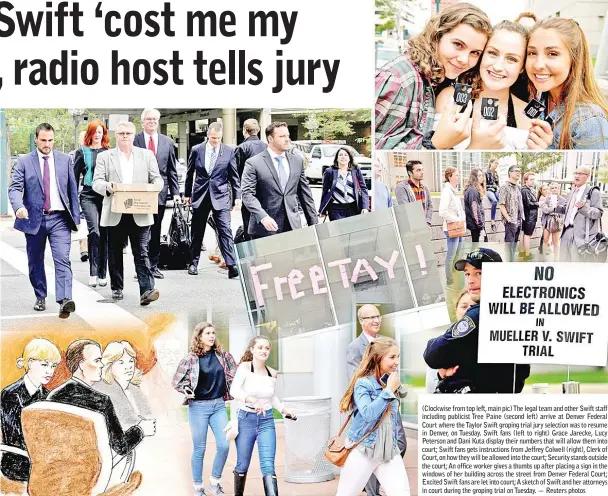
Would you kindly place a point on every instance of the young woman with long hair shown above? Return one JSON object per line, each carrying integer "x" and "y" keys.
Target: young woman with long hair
{"x": 205, "y": 377}
{"x": 451, "y": 44}
{"x": 553, "y": 222}
{"x": 492, "y": 186}
{"x": 344, "y": 189}
{"x": 450, "y": 209}
{"x": 254, "y": 389}
{"x": 96, "y": 140}
{"x": 530, "y": 199}
{"x": 375, "y": 410}
{"x": 473, "y": 204}
{"x": 501, "y": 74}
{"x": 559, "y": 66}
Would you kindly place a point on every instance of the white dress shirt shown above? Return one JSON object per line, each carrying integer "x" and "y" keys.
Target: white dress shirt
{"x": 126, "y": 168}
{"x": 153, "y": 137}
{"x": 29, "y": 385}
{"x": 56, "y": 203}
{"x": 208, "y": 153}
{"x": 284, "y": 162}
{"x": 577, "y": 196}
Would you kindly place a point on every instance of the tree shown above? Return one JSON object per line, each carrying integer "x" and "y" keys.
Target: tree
{"x": 602, "y": 175}
{"x": 333, "y": 123}
{"x": 530, "y": 162}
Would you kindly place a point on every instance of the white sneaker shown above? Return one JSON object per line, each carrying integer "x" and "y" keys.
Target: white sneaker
{"x": 93, "y": 281}
{"x": 102, "y": 282}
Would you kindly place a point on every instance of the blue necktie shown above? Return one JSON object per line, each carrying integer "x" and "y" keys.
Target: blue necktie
{"x": 281, "y": 171}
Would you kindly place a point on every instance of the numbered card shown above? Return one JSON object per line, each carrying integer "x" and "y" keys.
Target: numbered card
{"x": 489, "y": 108}
{"x": 462, "y": 93}
{"x": 534, "y": 109}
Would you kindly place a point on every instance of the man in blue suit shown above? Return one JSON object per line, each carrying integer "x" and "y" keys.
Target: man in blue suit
{"x": 163, "y": 149}
{"x": 212, "y": 175}
{"x": 44, "y": 196}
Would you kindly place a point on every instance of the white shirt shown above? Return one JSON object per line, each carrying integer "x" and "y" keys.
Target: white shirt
{"x": 572, "y": 210}
{"x": 284, "y": 161}
{"x": 450, "y": 206}
{"x": 369, "y": 338}
{"x": 56, "y": 203}
{"x": 260, "y": 386}
{"x": 29, "y": 385}
{"x": 153, "y": 137}
{"x": 208, "y": 152}
{"x": 126, "y": 167}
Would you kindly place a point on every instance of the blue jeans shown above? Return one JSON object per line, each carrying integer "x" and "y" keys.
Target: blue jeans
{"x": 201, "y": 415}
{"x": 252, "y": 427}
{"x": 453, "y": 246}
{"x": 493, "y": 197}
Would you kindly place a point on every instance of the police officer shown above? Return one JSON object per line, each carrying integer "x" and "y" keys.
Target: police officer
{"x": 454, "y": 353}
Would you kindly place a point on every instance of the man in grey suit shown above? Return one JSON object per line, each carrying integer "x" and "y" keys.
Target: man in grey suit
{"x": 163, "y": 149}
{"x": 371, "y": 321}
{"x": 413, "y": 190}
{"x": 126, "y": 164}
{"x": 579, "y": 210}
{"x": 273, "y": 183}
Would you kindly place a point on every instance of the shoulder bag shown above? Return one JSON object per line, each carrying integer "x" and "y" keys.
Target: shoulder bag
{"x": 457, "y": 228}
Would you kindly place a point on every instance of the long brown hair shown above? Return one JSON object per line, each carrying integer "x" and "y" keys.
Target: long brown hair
{"x": 370, "y": 365}
{"x": 477, "y": 181}
{"x": 580, "y": 85}
{"x": 423, "y": 48}
{"x": 197, "y": 347}
{"x": 248, "y": 356}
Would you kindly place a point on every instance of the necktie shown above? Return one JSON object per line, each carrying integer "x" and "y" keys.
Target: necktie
{"x": 281, "y": 171}
{"x": 212, "y": 161}
{"x": 151, "y": 146}
{"x": 46, "y": 184}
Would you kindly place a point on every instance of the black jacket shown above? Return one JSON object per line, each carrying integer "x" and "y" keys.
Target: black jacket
{"x": 492, "y": 181}
{"x": 247, "y": 149}
{"x": 530, "y": 200}
{"x": 471, "y": 195}
{"x": 13, "y": 400}
{"x": 167, "y": 165}
{"x": 78, "y": 394}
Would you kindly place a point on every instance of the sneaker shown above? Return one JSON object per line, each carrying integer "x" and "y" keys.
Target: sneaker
{"x": 102, "y": 282}
{"x": 216, "y": 490}
{"x": 199, "y": 491}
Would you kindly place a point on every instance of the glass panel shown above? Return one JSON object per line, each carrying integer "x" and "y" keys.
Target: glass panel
{"x": 421, "y": 259}
{"x": 371, "y": 244}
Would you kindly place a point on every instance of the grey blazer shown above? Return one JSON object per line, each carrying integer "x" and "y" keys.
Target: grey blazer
{"x": 107, "y": 170}
{"x": 124, "y": 409}
{"x": 354, "y": 354}
{"x": 404, "y": 194}
{"x": 263, "y": 196}
{"x": 592, "y": 211}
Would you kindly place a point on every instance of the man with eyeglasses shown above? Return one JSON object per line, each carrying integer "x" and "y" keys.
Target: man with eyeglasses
{"x": 163, "y": 149}
{"x": 371, "y": 321}
{"x": 583, "y": 206}
{"x": 454, "y": 354}
{"x": 512, "y": 209}
{"x": 126, "y": 164}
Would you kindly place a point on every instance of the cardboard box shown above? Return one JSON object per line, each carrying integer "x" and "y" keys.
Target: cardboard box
{"x": 135, "y": 198}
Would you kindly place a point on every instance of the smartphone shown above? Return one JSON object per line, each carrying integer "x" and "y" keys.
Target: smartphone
{"x": 489, "y": 108}
{"x": 290, "y": 417}
{"x": 188, "y": 391}
{"x": 384, "y": 379}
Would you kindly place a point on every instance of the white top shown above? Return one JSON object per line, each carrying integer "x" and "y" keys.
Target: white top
{"x": 260, "y": 386}
{"x": 514, "y": 138}
{"x": 55, "y": 198}
{"x": 29, "y": 385}
{"x": 284, "y": 162}
{"x": 576, "y": 197}
{"x": 208, "y": 154}
{"x": 126, "y": 168}
{"x": 153, "y": 137}
{"x": 450, "y": 206}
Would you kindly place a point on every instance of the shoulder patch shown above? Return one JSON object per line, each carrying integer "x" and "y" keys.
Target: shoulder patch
{"x": 463, "y": 327}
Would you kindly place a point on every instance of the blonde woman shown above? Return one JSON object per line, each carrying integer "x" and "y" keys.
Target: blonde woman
{"x": 120, "y": 381}
{"x": 39, "y": 361}
{"x": 552, "y": 221}
{"x": 450, "y": 208}
{"x": 205, "y": 377}
{"x": 371, "y": 398}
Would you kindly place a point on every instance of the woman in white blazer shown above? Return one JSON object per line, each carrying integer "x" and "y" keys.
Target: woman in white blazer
{"x": 451, "y": 210}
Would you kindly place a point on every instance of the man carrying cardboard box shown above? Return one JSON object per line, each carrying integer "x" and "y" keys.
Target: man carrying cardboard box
{"x": 129, "y": 180}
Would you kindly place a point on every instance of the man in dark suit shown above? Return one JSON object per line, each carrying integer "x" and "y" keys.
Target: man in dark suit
{"x": 44, "y": 196}
{"x": 83, "y": 360}
{"x": 371, "y": 321}
{"x": 164, "y": 149}
{"x": 211, "y": 177}
{"x": 247, "y": 149}
{"x": 273, "y": 184}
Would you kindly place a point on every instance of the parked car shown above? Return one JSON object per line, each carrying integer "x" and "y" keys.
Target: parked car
{"x": 322, "y": 157}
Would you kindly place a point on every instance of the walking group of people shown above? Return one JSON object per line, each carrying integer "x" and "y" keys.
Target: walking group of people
{"x": 105, "y": 382}
{"x": 462, "y": 83}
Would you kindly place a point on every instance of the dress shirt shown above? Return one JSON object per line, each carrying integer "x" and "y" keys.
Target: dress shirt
{"x": 56, "y": 203}
{"x": 153, "y": 137}
{"x": 284, "y": 161}
{"x": 29, "y": 385}
{"x": 126, "y": 168}
{"x": 208, "y": 153}
{"x": 577, "y": 196}
{"x": 371, "y": 339}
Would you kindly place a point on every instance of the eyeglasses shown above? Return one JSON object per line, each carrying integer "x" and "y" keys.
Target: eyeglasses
{"x": 516, "y": 170}
{"x": 123, "y": 135}
{"x": 379, "y": 317}
{"x": 581, "y": 174}
{"x": 151, "y": 119}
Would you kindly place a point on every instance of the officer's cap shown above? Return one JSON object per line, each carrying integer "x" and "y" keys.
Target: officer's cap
{"x": 477, "y": 257}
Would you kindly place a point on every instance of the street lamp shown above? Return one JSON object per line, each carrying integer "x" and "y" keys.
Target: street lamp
{"x": 76, "y": 113}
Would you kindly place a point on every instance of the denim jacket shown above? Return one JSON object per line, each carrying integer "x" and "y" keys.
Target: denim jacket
{"x": 371, "y": 401}
{"x": 588, "y": 128}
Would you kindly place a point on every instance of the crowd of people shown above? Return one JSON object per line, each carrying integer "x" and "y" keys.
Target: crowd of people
{"x": 266, "y": 181}
{"x": 462, "y": 83}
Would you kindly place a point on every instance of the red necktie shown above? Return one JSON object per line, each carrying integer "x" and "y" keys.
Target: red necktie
{"x": 151, "y": 146}
{"x": 46, "y": 184}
